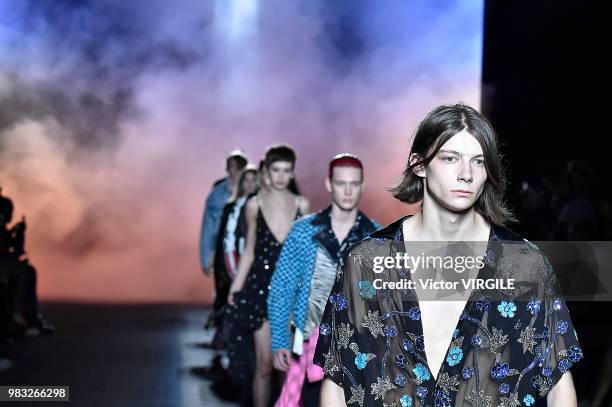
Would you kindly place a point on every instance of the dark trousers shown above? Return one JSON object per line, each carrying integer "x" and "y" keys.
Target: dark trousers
{"x": 311, "y": 393}
{"x": 22, "y": 291}
{"x": 223, "y": 283}
{"x": 5, "y": 308}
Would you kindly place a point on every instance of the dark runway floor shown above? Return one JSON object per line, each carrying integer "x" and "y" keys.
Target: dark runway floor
{"x": 116, "y": 355}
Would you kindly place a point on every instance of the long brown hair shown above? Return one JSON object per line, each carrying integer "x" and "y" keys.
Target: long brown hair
{"x": 240, "y": 192}
{"x": 437, "y": 128}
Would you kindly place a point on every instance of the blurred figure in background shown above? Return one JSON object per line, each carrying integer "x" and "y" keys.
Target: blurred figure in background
{"x": 6, "y": 208}
{"x": 304, "y": 277}
{"x": 19, "y": 276}
{"x": 563, "y": 202}
{"x": 233, "y": 232}
{"x": 580, "y": 217}
{"x": 221, "y": 192}
{"x": 269, "y": 216}
{"x": 229, "y": 247}
{"x": 540, "y": 200}
{"x": 229, "y": 380}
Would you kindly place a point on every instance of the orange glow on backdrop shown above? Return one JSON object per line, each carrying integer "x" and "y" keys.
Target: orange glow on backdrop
{"x": 112, "y": 133}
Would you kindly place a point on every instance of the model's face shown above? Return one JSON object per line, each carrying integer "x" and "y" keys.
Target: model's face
{"x": 280, "y": 174}
{"x": 249, "y": 183}
{"x": 233, "y": 170}
{"x": 456, "y": 176}
{"x": 346, "y": 187}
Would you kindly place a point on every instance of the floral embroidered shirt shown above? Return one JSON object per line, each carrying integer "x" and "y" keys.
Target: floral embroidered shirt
{"x": 509, "y": 348}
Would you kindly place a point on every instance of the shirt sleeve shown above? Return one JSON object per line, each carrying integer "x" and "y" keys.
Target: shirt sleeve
{"x": 559, "y": 348}
{"x": 347, "y": 346}
{"x": 205, "y": 234}
{"x": 210, "y": 223}
{"x": 563, "y": 348}
{"x": 283, "y": 286}
{"x": 327, "y": 354}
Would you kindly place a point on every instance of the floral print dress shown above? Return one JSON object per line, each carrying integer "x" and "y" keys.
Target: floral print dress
{"x": 509, "y": 348}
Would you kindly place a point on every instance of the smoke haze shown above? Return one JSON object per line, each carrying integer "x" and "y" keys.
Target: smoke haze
{"x": 115, "y": 118}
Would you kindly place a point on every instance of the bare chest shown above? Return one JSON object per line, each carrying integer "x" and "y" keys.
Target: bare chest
{"x": 439, "y": 320}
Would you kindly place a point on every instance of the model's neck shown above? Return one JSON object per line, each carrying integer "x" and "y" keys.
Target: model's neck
{"x": 341, "y": 216}
{"x": 436, "y": 223}
{"x": 276, "y": 193}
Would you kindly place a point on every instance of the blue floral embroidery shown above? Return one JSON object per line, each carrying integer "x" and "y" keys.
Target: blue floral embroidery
{"x": 441, "y": 399}
{"x": 400, "y": 360}
{"x": 575, "y": 353}
{"x": 339, "y": 301}
{"x": 361, "y": 360}
{"x": 420, "y": 344}
{"x": 504, "y": 388}
{"x": 366, "y": 289}
{"x": 455, "y": 354}
{"x": 406, "y": 401}
{"x": 421, "y": 372}
{"x": 483, "y": 304}
{"x": 507, "y": 308}
{"x": 533, "y": 306}
{"x": 530, "y": 338}
{"x": 390, "y": 331}
{"x": 564, "y": 365}
{"x": 528, "y": 400}
{"x": 499, "y": 370}
{"x": 401, "y": 380}
{"x": 561, "y": 327}
{"x": 414, "y": 313}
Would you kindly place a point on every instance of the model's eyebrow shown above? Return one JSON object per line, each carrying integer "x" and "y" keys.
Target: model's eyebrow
{"x": 458, "y": 153}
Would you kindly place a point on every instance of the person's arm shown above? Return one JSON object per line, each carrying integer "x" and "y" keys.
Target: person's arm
{"x": 563, "y": 393}
{"x": 207, "y": 234}
{"x": 281, "y": 297}
{"x": 246, "y": 260}
{"x": 332, "y": 395}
